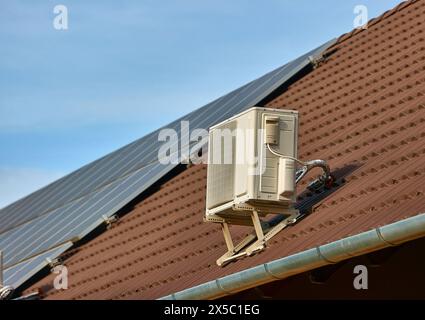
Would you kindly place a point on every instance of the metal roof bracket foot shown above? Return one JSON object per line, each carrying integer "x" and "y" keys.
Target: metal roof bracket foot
{"x": 254, "y": 242}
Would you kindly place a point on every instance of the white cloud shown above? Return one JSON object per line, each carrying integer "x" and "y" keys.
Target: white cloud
{"x": 16, "y": 183}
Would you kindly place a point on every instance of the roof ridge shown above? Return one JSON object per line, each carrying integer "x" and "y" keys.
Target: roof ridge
{"x": 402, "y": 5}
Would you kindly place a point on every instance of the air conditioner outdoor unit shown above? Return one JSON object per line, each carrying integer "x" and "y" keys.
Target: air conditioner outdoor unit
{"x": 252, "y": 172}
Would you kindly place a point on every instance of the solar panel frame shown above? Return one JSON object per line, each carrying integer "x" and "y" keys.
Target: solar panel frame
{"x": 18, "y": 274}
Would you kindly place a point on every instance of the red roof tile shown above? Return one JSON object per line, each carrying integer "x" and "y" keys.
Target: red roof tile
{"x": 364, "y": 107}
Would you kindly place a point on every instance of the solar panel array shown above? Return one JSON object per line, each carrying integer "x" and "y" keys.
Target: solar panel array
{"x": 69, "y": 208}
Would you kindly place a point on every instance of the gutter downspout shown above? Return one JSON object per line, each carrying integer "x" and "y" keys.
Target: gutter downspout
{"x": 390, "y": 235}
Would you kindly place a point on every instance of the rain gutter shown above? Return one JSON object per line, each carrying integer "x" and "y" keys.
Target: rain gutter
{"x": 390, "y": 235}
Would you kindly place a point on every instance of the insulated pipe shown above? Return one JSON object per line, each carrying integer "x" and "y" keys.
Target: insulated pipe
{"x": 360, "y": 244}
{"x": 318, "y": 163}
{"x": 313, "y": 164}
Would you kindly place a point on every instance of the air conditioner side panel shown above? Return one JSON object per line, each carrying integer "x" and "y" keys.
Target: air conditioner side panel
{"x": 269, "y": 181}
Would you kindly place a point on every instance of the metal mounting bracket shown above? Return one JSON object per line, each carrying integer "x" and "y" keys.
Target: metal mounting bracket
{"x": 109, "y": 220}
{"x": 255, "y": 241}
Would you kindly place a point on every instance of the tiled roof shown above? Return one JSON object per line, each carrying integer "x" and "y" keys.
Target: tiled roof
{"x": 363, "y": 110}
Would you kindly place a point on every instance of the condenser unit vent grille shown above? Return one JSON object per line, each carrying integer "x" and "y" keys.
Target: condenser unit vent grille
{"x": 221, "y": 170}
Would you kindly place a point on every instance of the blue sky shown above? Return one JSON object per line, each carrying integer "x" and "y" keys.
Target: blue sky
{"x": 124, "y": 68}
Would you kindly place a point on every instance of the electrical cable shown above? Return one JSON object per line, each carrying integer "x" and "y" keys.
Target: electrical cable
{"x": 283, "y": 156}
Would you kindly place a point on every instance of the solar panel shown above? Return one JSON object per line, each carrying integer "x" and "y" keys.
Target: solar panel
{"x": 74, "y": 220}
{"x": 18, "y": 274}
{"x": 71, "y": 207}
